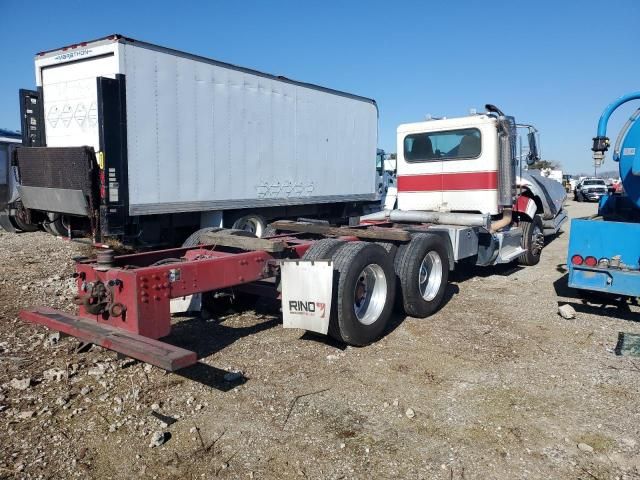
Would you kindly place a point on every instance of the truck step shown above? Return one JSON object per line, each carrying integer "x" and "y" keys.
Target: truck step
{"x": 509, "y": 254}
{"x": 148, "y": 350}
{"x": 510, "y": 248}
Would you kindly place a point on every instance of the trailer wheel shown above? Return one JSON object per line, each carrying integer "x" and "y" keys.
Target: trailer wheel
{"x": 422, "y": 266}
{"x": 532, "y": 241}
{"x": 19, "y": 220}
{"x": 56, "y": 224}
{"x": 363, "y": 293}
{"x": 193, "y": 240}
{"x": 323, "y": 249}
{"x": 25, "y": 227}
{"x": 253, "y": 223}
{"x": 53, "y": 224}
{"x": 47, "y": 228}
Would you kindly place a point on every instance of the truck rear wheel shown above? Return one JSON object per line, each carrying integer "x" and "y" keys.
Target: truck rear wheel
{"x": 532, "y": 241}
{"x": 422, "y": 266}
{"x": 363, "y": 293}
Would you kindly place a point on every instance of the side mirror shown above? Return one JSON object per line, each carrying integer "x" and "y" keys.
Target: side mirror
{"x": 533, "y": 155}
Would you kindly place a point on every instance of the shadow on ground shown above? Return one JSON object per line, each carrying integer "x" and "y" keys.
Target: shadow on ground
{"x": 594, "y": 303}
{"x": 208, "y": 336}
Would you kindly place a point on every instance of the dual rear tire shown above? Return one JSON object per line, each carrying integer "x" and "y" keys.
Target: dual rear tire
{"x": 369, "y": 276}
{"x": 422, "y": 268}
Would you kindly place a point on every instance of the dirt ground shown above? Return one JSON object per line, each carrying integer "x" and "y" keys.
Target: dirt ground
{"x": 495, "y": 385}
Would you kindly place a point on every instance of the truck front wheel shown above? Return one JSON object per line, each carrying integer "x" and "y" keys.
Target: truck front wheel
{"x": 363, "y": 293}
{"x": 422, "y": 265}
{"x": 532, "y": 241}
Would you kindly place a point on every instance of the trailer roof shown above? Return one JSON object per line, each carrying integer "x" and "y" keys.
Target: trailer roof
{"x": 124, "y": 39}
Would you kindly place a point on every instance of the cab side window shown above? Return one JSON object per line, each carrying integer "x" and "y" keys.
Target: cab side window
{"x": 449, "y": 145}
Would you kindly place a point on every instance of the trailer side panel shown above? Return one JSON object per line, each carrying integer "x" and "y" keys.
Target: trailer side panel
{"x": 203, "y": 136}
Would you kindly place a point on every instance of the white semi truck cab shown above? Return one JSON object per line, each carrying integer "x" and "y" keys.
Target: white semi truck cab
{"x": 450, "y": 165}
{"x": 460, "y": 176}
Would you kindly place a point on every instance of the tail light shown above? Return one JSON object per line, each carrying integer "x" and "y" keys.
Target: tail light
{"x": 591, "y": 261}
{"x": 577, "y": 260}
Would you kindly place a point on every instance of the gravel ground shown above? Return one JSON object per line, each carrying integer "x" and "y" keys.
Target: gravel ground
{"x": 495, "y": 385}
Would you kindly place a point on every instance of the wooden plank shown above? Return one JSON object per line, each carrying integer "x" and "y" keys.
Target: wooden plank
{"x": 375, "y": 233}
{"x": 246, "y": 243}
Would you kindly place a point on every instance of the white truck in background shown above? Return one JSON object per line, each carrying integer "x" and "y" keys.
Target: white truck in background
{"x": 143, "y": 144}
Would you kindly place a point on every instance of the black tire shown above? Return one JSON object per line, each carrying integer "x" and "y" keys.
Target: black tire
{"x": 391, "y": 248}
{"x": 46, "y": 226}
{"x": 24, "y": 226}
{"x": 407, "y": 266}
{"x": 252, "y": 223}
{"x": 579, "y": 198}
{"x": 193, "y": 240}
{"x": 533, "y": 246}
{"x": 269, "y": 231}
{"x": 53, "y": 225}
{"x": 323, "y": 249}
{"x": 58, "y": 227}
{"x": 350, "y": 261}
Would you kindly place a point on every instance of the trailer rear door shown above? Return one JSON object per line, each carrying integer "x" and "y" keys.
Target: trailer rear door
{"x": 70, "y": 99}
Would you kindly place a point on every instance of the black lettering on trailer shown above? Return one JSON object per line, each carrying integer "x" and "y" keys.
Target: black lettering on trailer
{"x": 302, "y": 306}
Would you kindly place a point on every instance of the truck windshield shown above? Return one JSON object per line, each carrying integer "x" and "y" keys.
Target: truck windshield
{"x": 451, "y": 145}
{"x": 593, "y": 182}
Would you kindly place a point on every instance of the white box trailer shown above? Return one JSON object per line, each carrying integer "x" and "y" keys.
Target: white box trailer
{"x": 175, "y": 133}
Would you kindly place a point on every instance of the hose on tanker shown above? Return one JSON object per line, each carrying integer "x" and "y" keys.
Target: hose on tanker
{"x": 623, "y": 132}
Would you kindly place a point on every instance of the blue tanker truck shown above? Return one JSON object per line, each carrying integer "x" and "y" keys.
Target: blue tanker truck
{"x": 604, "y": 251}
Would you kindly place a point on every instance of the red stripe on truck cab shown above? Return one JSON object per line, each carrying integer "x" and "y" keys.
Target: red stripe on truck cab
{"x": 448, "y": 181}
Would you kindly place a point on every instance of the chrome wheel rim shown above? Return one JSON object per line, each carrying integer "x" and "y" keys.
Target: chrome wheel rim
{"x": 430, "y": 276}
{"x": 370, "y": 294}
{"x": 250, "y": 224}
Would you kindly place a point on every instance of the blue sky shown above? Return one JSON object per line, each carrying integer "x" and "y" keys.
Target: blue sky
{"x": 555, "y": 64}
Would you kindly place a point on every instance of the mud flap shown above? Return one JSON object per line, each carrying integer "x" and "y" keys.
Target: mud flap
{"x": 307, "y": 287}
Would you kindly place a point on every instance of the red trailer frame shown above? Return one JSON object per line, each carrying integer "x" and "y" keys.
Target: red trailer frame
{"x": 124, "y": 304}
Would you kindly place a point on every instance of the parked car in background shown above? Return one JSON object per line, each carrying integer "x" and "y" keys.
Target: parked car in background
{"x": 590, "y": 189}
